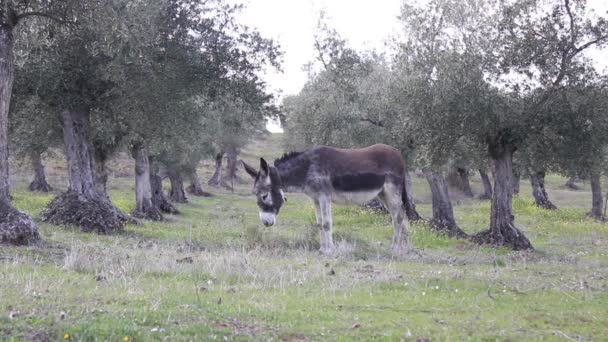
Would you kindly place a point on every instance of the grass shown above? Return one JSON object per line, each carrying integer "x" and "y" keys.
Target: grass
{"x": 214, "y": 273}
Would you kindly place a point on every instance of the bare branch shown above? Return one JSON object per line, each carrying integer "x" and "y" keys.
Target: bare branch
{"x": 45, "y": 15}
{"x": 319, "y": 50}
{"x": 589, "y": 43}
{"x": 373, "y": 122}
{"x": 572, "y": 25}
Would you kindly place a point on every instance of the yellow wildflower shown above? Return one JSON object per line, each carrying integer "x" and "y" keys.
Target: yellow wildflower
{"x": 66, "y": 336}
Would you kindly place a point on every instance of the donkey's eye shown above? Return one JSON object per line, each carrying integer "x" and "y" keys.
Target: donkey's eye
{"x": 264, "y": 197}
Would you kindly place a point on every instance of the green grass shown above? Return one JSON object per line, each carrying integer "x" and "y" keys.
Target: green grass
{"x": 214, "y": 273}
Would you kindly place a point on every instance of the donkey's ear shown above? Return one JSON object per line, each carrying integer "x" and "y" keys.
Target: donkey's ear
{"x": 249, "y": 169}
{"x": 264, "y": 167}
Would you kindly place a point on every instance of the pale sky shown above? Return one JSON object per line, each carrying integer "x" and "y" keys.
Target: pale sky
{"x": 364, "y": 24}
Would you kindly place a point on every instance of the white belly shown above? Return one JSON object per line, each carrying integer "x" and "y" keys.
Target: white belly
{"x": 354, "y": 197}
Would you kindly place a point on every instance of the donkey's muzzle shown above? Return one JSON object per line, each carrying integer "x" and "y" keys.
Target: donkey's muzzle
{"x": 268, "y": 219}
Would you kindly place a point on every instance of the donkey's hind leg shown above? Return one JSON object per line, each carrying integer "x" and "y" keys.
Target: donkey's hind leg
{"x": 319, "y": 220}
{"x": 391, "y": 195}
{"x": 317, "y": 211}
{"x": 327, "y": 241}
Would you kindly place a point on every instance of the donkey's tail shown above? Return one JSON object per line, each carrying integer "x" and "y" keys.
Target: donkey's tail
{"x": 408, "y": 204}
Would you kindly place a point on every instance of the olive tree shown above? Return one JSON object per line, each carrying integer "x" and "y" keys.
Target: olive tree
{"x": 15, "y": 226}
{"x": 347, "y": 103}
{"x": 580, "y": 144}
{"x": 480, "y": 44}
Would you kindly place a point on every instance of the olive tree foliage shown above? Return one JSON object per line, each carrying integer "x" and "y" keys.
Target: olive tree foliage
{"x": 34, "y": 126}
{"x": 232, "y": 123}
{"x": 132, "y": 74}
{"x": 349, "y": 102}
{"x": 465, "y": 53}
{"x": 344, "y": 102}
{"x": 205, "y": 60}
{"x": 433, "y": 77}
{"x": 578, "y": 137}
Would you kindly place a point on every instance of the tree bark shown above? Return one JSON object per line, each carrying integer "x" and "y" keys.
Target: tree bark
{"x": 515, "y": 182}
{"x": 81, "y": 168}
{"x": 443, "y": 212}
{"x": 231, "y": 167}
{"x": 39, "y": 183}
{"x": 178, "y": 195}
{"x": 101, "y": 172}
{"x": 410, "y": 206}
{"x": 596, "y": 198}
{"x": 6, "y": 88}
{"x": 82, "y": 204}
{"x": 487, "y": 185}
{"x": 537, "y": 179}
{"x": 143, "y": 189}
{"x": 571, "y": 183}
{"x": 217, "y": 180}
{"x": 503, "y": 231}
{"x": 159, "y": 199}
{"x": 459, "y": 178}
{"x": 195, "y": 187}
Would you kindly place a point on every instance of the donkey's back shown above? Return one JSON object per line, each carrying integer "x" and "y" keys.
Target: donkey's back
{"x": 353, "y": 175}
{"x": 350, "y": 169}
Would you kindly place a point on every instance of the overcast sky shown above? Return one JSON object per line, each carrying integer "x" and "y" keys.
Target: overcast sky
{"x": 364, "y": 24}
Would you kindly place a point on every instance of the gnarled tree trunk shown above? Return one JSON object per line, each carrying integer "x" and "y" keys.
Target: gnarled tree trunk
{"x": 459, "y": 178}
{"x": 487, "y": 185}
{"x": 515, "y": 182}
{"x": 6, "y": 89}
{"x": 503, "y": 231}
{"x": 82, "y": 204}
{"x": 143, "y": 189}
{"x": 159, "y": 199}
{"x": 16, "y": 227}
{"x": 571, "y": 183}
{"x": 231, "y": 167}
{"x": 217, "y": 180}
{"x": 596, "y": 198}
{"x": 195, "y": 187}
{"x": 178, "y": 194}
{"x": 537, "y": 179}
{"x": 376, "y": 204}
{"x": 410, "y": 206}
{"x": 39, "y": 183}
{"x": 101, "y": 172}
{"x": 443, "y": 213}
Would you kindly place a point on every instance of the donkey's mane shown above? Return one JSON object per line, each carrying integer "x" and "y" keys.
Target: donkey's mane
{"x": 286, "y": 157}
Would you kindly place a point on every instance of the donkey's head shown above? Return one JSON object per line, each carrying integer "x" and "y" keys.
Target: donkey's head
{"x": 268, "y": 190}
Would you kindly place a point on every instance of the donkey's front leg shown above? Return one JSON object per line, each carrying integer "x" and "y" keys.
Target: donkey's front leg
{"x": 327, "y": 241}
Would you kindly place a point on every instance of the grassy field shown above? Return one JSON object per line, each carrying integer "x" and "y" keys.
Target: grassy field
{"x": 214, "y": 273}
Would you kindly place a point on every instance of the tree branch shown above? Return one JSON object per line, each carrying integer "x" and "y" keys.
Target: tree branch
{"x": 588, "y": 44}
{"x": 373, "y": 122}
{"x": 45, "y": 15}
{"x": 572, "y": 28}
{"x": 319, "y": 50}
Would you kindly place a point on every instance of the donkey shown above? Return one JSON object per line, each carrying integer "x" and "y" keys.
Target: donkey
{"x": 328, "y": 174}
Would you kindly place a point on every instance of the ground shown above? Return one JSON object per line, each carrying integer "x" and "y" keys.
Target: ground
{"x": 215, "y": 273}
